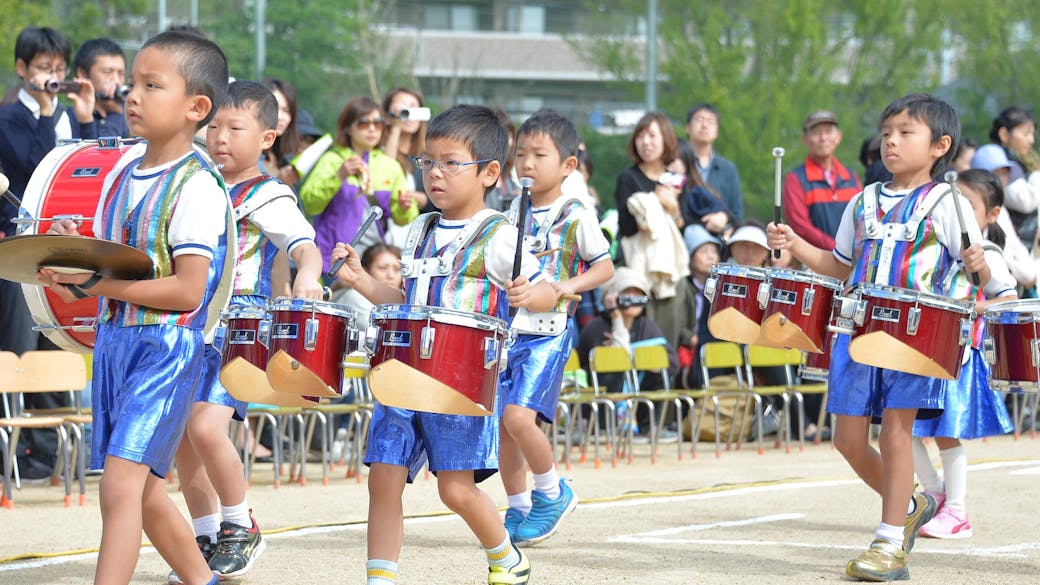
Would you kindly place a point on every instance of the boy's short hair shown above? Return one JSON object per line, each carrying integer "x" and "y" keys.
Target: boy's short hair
{"x": 557, "y": 127}
{"x": 199, "y": 61}
{"x": 940, "y": 117}
{"x": 253, "y": 96}
{"x": 88, "y": 53}
{"x": 34, "y": 40}
{"x": 477, "y": 127}
{"x": 703, "y": 106}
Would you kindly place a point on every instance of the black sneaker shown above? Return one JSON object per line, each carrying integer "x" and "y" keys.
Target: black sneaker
{"x": 237, "y": 548}
{"x": 206, "y": 547}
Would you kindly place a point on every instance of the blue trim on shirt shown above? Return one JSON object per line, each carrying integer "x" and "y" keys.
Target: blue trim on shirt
{"x": 297, "y": 242}
{"x": 600, "y": 257}
{"x": 450, "y": 227}
{"x": 842, "y": 256}
{"x": 193, "y": 246}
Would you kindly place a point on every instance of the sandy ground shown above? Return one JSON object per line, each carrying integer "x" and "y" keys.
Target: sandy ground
{"x": 742, "y": 518}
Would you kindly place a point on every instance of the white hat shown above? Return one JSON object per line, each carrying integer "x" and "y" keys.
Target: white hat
{"x": 749, "y": 233}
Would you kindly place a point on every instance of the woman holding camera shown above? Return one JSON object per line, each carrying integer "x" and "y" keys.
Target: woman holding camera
{"x": 405, "y": 138}
{"x": 352, "y": 175}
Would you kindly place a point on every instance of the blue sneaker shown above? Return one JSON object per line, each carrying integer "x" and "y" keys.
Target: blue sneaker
{"x": 514, "y": 518}
{"x": 545, "y": 516}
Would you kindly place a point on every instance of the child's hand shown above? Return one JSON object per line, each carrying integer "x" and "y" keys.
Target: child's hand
{"x": 780, "y": 237}
{"x": 562, "y": 288}
{"x": 351, "y": 271}
{"x": 59, "y": 282}
{"x": 307, "y": 287}
{"x": 974, "y": 258}
{"x": 518, "y": 291}
{"x": 64, "y": 227}
{"x": 83, "y": 101}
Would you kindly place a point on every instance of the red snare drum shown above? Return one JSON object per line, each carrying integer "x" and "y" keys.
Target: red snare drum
{"x": 911, "y": 331}
{"x": 799, "y": 309}
{"x": 818, "y": 365}
{"x": 457, "y": 348}
{"x": 315, "y": 333}
{"x": 67, "y": 184}
{"x": 1013, "y": 345}
{"x": 246, "y": 335}
{"x": 737, "y": 296}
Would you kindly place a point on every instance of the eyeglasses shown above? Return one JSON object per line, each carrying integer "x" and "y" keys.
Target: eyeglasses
{"x": 448, "y": 167}
{"x": 371, "y": 122}
{"x": 58, "y": 72}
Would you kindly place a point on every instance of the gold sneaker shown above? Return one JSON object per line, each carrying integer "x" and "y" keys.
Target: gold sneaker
{"x": 883, "y": 561}
{"x": 924, "y": 511}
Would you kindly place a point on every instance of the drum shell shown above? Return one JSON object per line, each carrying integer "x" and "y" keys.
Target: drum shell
{"x": 736, "y": 287}
{"x": 458, "y": 356}
{"x": 247, "y": 335}
{"x": 1012, "y": 344}
{"x": 787, "y": 296}
{"x": 334, "y": 330}
{"x": 817, "y": 365}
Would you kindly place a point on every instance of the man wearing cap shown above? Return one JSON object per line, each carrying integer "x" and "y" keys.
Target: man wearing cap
{"x": 815, "y": 193}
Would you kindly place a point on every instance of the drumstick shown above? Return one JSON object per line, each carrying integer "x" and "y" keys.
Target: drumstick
{"x": 521, "y": 221}
{"x": 778, "y": 153}
{"x": 375, "y": 212}
{"x": 951, "y": 178}
{"x": 546, "y": 252}
{"x": 11, "y": 198}
{"x": 570, "y": 297}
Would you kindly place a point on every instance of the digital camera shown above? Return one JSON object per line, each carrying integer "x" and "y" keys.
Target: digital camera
{"x": 56, "y": 86}
{"x": 415, "y": 114}
{"x": 672, "y": 179}
{"x": 625, "y": 301}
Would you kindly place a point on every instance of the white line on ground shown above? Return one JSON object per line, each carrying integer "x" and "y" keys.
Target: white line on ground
{"x": 655, "y": 534}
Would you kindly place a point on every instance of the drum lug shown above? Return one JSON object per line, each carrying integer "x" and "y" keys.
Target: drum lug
{"x": 966, "y": 325}
{"x": 989, "y": 351}
{"x": 1034, "y": 347}
{"x": 220, "y": 337}
{"x": 368, "y": 342}
{"x": 763, "y": 294}
{"x": 263, "y": 334}
{"x": 709, "y": 288}
{"x": 913, "y": 321}
{"x": 426, "y": 342}
{"x": 842, "y": 325}
{"x": 310, "y": 334}
{"x": 807, "y": 301}
{"x": 491, "y": 353}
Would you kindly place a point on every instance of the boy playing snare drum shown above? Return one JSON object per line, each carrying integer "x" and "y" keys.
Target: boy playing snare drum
{"x": 576, "y": 256}
{"x": 465, "y": 150}
{"x": 884, "y": 239}
{"x": 268, "y": 220}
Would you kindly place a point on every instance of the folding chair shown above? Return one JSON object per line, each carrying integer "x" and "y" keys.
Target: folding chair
{"x": 573, "y": 395}
{"x": 37, "y": 371}
{"x": 723, "y": 355}
{"x": 324, "y": 413}
{"x": 612, "y": 359}
{"x": 756, "y": 356}
{"x": 654, "y": 358}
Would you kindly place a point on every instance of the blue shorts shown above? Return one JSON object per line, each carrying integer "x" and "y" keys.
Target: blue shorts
{"x": 973, "y": 410}
{"x": 408, "y": 438}
{"x": 144, "y": 380}
{"x": 534, "y": 372}
{"x": 856, "y": 389}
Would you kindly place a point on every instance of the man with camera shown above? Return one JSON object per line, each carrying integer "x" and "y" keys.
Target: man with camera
{"x": 102, "y": 62}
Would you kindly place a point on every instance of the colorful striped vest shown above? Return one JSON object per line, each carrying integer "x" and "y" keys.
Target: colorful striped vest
{"x": 256, "y": 251}
{"x": 562, "y": 233}
{"x": 145, "y": 227}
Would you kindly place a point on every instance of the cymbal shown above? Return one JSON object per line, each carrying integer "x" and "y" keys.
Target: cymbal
{"x": 22, "y": 256}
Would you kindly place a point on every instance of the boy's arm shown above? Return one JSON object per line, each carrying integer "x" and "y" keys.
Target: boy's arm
{"x": 597, "y": 274}
{"x": 819, "y": 261}
{"x": 358, "y": 279}
{"x": 307, "y": 284}
{"x": 537, "y": 298}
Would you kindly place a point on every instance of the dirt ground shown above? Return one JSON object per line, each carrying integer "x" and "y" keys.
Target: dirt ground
{"x": 742, "y": 518}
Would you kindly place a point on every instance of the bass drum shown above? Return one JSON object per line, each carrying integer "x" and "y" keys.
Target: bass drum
{"x": 67, "y": 185}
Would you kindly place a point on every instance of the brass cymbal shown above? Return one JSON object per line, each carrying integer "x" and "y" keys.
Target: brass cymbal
{"x": 22, "y": 256}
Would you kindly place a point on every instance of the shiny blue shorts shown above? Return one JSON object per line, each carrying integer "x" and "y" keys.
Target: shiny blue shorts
{"x": 144, "y": 381}
{"x": 534, "y": 372}
{"x": 856, "y": 389}
{"x": 973, "y": 410}
{"x": 408, "y": 438}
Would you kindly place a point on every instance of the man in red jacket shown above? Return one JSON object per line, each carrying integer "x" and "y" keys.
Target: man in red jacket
{"x": 815, "y": 193}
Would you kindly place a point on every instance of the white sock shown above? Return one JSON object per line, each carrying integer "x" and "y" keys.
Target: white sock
{"x": 237, "y": 515}
{"x": 548, "y": 483}
{"x": 381, "y": 572}
{"x": 926, "y": 473}
{"x": 955, "y": 474}
{"x": 207, "y": 526}
{"x": 893, "y": 534}
{"x": 503, "y": 555}
{"x": 521, "y": 501}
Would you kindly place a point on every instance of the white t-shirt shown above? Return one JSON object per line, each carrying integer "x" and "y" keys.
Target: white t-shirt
{"x": 280, "y": 219}
{"x": 1001, "y": 282}
{"x": 592, "y": 245}
{"x": 198, "y": 219}
{"x": 499, "y": 254}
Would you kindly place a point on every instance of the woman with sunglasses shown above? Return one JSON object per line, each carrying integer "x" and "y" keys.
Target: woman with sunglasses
{"x": 353, "y": 175}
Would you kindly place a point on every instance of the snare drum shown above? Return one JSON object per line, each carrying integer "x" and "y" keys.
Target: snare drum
{"x": 458, "y": 348}
{"x": 799, "y": 309}
{"x": 738, "y": 297}
{"x": 67, "y": 184}
{"x": 1012, "y": 345}
{"x": 911, "y": 331}
{"x": 246, "y": 335}
{"x": 317, "y": 334}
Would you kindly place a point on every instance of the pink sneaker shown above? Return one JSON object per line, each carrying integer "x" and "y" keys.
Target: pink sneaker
{"x": 940, "y": 499}
{"x": 948, "y": 523}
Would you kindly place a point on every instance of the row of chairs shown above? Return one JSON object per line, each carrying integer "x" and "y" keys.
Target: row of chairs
{"x": 739, "y": 388}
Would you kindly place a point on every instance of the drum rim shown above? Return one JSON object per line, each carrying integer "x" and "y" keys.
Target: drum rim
{"x": 296, "y": 304}
{"x": 1009, "y": 308}
{"x": 908, "y": 295}
{"x": 244, "y": 312}
{"x": 731, "y": 269}
{"x": 421, "y": 312}
{"x": 806, "y": 276}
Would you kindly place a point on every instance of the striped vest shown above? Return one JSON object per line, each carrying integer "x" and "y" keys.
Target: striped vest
{"x": 146, "y": 228}
{"x": 256, "y": 251}
{"x": 562, "y": 233}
